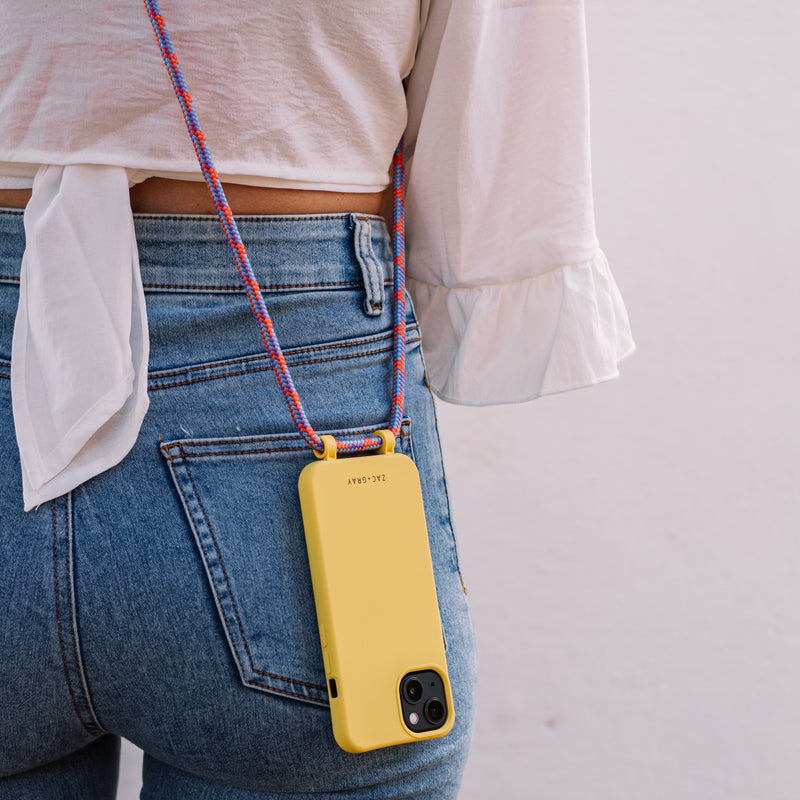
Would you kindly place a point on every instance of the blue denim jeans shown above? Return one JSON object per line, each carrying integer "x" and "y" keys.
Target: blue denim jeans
{"x": 168, "y": 600}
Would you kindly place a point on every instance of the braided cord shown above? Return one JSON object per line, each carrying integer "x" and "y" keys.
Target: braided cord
{"x": 251, "y": 286}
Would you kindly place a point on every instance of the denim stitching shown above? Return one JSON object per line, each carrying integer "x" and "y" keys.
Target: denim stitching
{"x": 229, "y": 288}
{"x": 234, "y": 452}
{"x": 289, "y": 351}
{"x": 405, "y": 426}
{"x": 68, "y": 528}
{"x": 454, "y": 555}
{"x": 267, "y": 368}
{"x": 186, "y": 503}
{"x": 58, "y": 617}
{"x": 286, "y": 691}
{"x": 190, "y": 381}
{"x": 299, "y": 448}
{"x": 342, "y": 215}
{"x": 230, "y": 592}
{"x": 234, "y": 288}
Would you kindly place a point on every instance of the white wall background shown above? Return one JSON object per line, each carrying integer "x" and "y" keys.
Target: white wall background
{"x": 633, "y": 550}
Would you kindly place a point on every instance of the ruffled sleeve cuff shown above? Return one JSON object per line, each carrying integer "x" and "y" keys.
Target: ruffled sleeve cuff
{"x": 512, "y": 342}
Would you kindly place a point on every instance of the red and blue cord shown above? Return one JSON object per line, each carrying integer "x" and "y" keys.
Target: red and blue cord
{"x": 251, "y": 284}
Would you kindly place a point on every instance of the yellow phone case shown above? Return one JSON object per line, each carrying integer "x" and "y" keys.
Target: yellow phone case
{"x": 375, "y": 597}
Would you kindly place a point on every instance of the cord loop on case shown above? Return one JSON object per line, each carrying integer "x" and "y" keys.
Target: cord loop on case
{"x": 387, "y": 441}
{"x": 328, "y": 450}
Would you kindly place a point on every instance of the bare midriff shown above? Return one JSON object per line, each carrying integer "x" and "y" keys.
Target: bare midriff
{"x": 166, "y": 196}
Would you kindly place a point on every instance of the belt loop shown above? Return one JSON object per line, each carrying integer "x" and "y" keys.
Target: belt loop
{"x": 371, "y": 269}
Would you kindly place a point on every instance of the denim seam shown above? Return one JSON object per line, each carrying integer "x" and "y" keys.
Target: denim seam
{"x": 267, "y": 368}
{"x": 289, "y": 351}
{"x": 219, "y": 556}
{"x": 342, "y": 215}
{"x": 231, "y": 288}
{"x": 94, "y": 729}
{"x": 214, "y": 364}
{"x": 454, "y": 556}
{"x": 184, "y": 455}
{"x": 58, "y": 618}
{"x": 70, "y": 541}
{"x": 240, "y": 288}
{"x": 235, "y": 608}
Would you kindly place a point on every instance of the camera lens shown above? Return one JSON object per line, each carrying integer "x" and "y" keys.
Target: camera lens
{"x": 412, "y": 690}
{"x": 434, "y": 711}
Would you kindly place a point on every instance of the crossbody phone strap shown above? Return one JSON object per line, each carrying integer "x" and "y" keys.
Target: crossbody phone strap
{"x": 251, "y": 284}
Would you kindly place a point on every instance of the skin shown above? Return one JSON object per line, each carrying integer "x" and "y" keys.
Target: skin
{"x": 164, "y": 196}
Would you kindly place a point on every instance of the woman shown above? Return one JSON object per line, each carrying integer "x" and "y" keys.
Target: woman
{"x": 154, "y": 577}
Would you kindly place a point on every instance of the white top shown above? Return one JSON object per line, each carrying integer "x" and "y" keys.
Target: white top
{"x": 514, "y": 296}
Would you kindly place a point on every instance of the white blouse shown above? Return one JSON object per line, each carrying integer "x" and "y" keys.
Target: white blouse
{"x": 514, "y": 296}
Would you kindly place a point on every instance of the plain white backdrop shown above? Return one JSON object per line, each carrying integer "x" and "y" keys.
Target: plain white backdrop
{"x": 633, "y": 550}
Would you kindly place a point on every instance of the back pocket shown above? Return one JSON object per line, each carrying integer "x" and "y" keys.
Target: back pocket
{"x": 241, "y": 502}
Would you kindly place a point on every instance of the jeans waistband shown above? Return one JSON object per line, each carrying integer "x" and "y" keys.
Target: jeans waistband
{"x": 184, "y": 252}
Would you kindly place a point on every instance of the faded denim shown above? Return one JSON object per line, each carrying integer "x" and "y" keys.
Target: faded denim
{"x": 168, "y": 599}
